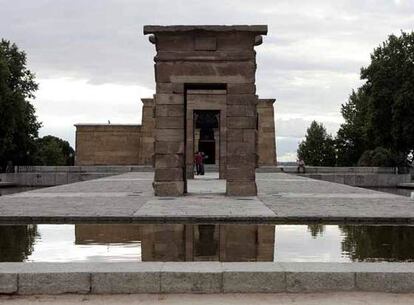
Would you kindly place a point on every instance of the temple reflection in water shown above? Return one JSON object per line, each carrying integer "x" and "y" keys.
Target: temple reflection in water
{"x": 187, "y": 242}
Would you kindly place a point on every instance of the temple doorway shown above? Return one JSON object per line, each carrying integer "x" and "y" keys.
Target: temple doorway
{"x": 207, "y": 135}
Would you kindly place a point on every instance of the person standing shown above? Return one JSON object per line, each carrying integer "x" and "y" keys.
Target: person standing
{"x": 198, "y": 160}
{"x": 202, "y": 163}
{"x": 301, "y": 166}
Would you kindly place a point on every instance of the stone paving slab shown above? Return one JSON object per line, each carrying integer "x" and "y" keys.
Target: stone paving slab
{"x": 282, "y": 198}
{"x": 327, "y": 298}
{"x": 204, "y": 277}
{"x": 206, "y": 206}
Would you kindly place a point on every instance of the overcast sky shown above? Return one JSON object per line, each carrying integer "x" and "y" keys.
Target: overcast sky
{"x": 94, "y": 64}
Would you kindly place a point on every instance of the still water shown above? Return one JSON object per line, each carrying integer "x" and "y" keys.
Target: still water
{"x": 16, "y": 189}
{"x": 205, "y": 242}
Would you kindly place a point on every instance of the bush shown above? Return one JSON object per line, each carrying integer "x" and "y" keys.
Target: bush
{"x": 379, "y": 157}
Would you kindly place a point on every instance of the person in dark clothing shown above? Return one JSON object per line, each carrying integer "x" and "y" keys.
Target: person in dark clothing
{"x": 198, "y": 161}
{"x": 202, "y": 163}
{"x": 301, "y": 166}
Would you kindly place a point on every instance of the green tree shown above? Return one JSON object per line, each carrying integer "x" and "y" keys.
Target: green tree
{"x": 18, "y": 122}
{"x": 316, "y": 229}
{"x": 378, "y": 243}
{"x": 390, "y": 86}
{"x": 53, "y": 151}
{"x": 377, "y": 157}
{"x": 318, "y": 148}
{"x": 381, "y": 112}
{"x": 16, "y": 242}
{"x": 351, "y": 137}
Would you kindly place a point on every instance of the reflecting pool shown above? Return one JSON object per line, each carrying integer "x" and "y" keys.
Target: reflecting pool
{"x": 205, "y": 242}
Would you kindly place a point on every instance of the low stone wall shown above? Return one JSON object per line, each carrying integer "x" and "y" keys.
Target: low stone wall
{"x": 353, "y": 176}
{"x": 342, "y": 170}
{"x": 58, "y": 175}
{"x": 84, "y": 169}
{"x": 363, "y": 180}
{"x": 204, "y": 277}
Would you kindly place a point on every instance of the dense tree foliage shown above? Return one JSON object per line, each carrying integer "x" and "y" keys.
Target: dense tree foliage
{"x": 17, "y": 242}
{"x": 19, "y": 142}
{"x": 378, "y": 243}
{"x": 380, "y": 115}
{"x": 51, "y": 150}
{"x": 351, "y": 139}
{"x": 318, "y": 148}
{"x": 18, "y": 123}
{"x": 377, "y": 157}
{"x": 316, "y": 230}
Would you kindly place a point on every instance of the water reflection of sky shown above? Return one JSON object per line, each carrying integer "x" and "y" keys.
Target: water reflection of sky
{"x": 290, "y": 243}
{"x": 294, "y": 243}
{"x": 56, "y": 243}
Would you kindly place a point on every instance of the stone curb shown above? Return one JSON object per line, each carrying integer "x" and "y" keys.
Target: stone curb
{"x": 196, "y": 219}
{"x": 203, "y": 277}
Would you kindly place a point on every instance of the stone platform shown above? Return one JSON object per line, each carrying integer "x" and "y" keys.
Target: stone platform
{"x": 203, "y": 277}
{"x": 337, "y": 298}
{"x": 282, "y": 198}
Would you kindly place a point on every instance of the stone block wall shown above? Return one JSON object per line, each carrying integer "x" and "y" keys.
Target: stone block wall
{"x": 95, "y": 147}
{"x": 146, "y": 149}
{"x": 188, "y": 58}
{"x": 108, "y": 144}
{"x": 169, "y": 144}
{"x": 205, "y": 57}
{"x": 266, "y": 145}
{"x": 241, "y": 144}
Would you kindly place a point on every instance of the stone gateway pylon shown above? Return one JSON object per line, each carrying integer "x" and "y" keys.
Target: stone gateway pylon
{"x": 205, "y": 89}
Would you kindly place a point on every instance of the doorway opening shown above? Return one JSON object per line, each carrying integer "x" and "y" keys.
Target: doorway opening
{"x": 207, "y": 135}
{"x": 205, "y": 139}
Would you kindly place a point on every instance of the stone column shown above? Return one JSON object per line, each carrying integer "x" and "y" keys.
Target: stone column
{"x": 241, "y": 145}
{"x": 266, "y": 145}
{"x": 169, "y": 144}
{"x": 147, "y": 132}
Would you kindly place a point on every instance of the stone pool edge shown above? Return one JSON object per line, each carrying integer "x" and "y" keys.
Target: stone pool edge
{"x": 196, "y": 219}
{"x": 203, "y": 277}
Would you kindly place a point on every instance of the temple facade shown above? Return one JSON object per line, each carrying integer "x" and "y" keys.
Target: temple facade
{"x": 129, "y": 144}
{"x": 205, "y": 101}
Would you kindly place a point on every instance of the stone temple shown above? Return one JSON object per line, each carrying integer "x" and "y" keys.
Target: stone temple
{"x": 205, "y": 101}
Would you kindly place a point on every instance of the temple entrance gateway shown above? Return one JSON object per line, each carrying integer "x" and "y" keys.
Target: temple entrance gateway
{"x": 205, "y": 99}
{"x": 197, "y": 68}
{"x": 207, "y": 135}
{"x": 206, "y": 128}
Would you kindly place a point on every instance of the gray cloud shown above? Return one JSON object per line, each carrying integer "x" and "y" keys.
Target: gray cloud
{"x": 309, "y": 62}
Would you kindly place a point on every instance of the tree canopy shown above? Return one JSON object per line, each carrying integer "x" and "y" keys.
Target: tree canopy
{"x": 18, "y": 122}
{"x": 19, "y": 142}
{"x": 53, "y": 151}
{"x": 318, "y": 148}
{"x": 380, "y": 114}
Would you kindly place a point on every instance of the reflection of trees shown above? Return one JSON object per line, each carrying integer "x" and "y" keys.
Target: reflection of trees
{"x": 16, "y": 242}
{"x": 378, "y": 243}
{"x": 316, "y": 229}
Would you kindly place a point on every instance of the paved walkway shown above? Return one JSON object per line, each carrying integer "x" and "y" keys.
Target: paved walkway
{"x": 129, "y": 197}
{"x": 341, "y": 298}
